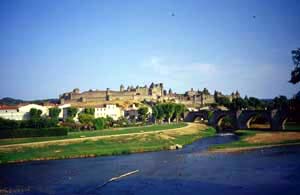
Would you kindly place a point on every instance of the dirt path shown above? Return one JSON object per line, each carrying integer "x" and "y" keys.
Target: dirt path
{"x": 189, "y": 127}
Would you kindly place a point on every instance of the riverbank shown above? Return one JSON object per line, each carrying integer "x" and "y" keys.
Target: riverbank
{"x": 95, "y": 133}
{"x": 252, "y": 140}
{"x": 105, "y": 145}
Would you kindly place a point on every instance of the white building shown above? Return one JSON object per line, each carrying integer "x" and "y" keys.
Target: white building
{"x": 63, "y": 111}
{"x": 21, "y": 112}
{"x": 110, "y": 110}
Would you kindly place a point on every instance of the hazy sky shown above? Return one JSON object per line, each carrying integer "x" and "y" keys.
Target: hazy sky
{"x": 50, "y": 47}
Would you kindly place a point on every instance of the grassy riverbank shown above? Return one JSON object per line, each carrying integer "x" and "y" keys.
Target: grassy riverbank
{"x": 72, "y": 135}
{"x": 250, "y": 139}
{"x": 123, "y": 144}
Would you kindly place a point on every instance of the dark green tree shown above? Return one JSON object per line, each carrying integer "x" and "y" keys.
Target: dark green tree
{"x": 281, "y": 103}
{"x": 255, "y": 103}
{"x": 72, "y": 111}
{"x": 90, "y": 111}
{"x": 206, "y": 92}
{"x": 143, "y": 113}
{"x": 168, "y": 109}
{"x": 238, "y": 104}
{"x": 100, "y": 123}
{"x": 224, "y": 101}
{"x": 109, "y": 121}
{"x": 54, "y": 112}
{"x": 178, "y": 111}
{"x": 86, "y": 119}
{"x": 35, "y": 113}
{"x": 157, "y": 112}
{"x": 295, "y": 74}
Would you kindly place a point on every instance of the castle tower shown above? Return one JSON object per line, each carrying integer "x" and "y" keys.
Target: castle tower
{"x": 76, "y": 90}
{"x": 122, "y": 88}
{"x": 161, "y": 89}
{"x": 107, "y": 94}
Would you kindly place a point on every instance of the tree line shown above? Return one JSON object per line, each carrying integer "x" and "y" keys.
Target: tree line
{"x": 252, "y": 103}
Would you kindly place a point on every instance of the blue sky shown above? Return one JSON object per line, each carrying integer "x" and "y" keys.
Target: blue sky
{"x": 49, "y": 47}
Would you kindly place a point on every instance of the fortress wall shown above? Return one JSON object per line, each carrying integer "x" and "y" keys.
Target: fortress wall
{"x": 94, "y": 94}
{"x": 208, "y": 99}
{"x": 144, "y": 97}
{"x": 142, "y": 91}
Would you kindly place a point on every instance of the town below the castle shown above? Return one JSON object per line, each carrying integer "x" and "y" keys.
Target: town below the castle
{"x": 117, "y": 104}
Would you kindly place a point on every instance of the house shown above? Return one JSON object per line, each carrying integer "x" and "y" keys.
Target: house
{"x": 110, "y": 110}
{"x": 105, "y": 110}
{"x": 20, "y": 112}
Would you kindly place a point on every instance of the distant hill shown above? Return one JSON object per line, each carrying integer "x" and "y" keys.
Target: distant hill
{"x": 12, "y": 101}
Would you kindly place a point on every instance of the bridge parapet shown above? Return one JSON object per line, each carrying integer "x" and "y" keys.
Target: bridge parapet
{"x": 241, "y": 118}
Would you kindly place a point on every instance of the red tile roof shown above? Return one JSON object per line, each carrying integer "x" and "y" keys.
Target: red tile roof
{"x": 6, "y": 107}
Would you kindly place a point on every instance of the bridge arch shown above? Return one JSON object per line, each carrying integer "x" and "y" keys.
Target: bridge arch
{"x": 249, "y": 119}
{"x": 290, "y": 123}
{"x": 224, "y": 121}
{"x": 196, "y": 116}
{"x": 259, "y": 121}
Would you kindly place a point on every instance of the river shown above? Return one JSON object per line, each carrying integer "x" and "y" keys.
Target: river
{"x": 188, "y": 171}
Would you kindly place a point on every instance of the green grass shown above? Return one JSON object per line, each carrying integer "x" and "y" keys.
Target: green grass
{"x": 114, "y": 146}
{"x": 243, "y": 134}
{"x": 71, "y": 135}
{"x": 292, "y": 127}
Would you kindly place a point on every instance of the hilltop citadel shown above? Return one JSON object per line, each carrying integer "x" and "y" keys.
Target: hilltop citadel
{"x": 155, "y": 92}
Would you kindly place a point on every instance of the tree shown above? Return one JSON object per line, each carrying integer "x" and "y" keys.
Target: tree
{"x": 86, "y": 119}
{"x": 168, "y": 109}
{"x": 255, "y": 103}
{"x": 54, "y": 112}
{"x": 72, "y": 111}
{"x": 178, "y": 111}
{"x": 100, "y": 123}
{"x": 143, "y": 113}
{"x": 238, "y": 104}
{"x": 35, "y": 113}
{"x": 157, "y": 112}
{"x": 109, "y": 121}
{"x": 154, "y": 113}
{"x": 90, "y": 111}
{"x": 223, "y": 101}
{"x": 295, "y": 74}
{"x": 281, "y": 103}
{"x": 122, "y": 121}
{"x": 206, "y": 92}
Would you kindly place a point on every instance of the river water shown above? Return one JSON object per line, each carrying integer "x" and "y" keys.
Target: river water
{"x": 188, "y": 171}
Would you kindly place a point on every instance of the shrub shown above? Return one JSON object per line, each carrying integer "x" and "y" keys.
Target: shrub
{"x": 54, "y": 112}
{"x": 100, "y": 123}
{"x": 73, "y": 127}
{"x": 72, "y": 111}
{"x": 35, "y": 113}
{"x": 9, "y": 124}
{"x": 39, "y": 123}
{"x": 22, "y": 133}
{"x": 85, "y": 119}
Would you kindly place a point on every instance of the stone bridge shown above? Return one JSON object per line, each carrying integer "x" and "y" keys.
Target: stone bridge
{"x": 240, "y": 119}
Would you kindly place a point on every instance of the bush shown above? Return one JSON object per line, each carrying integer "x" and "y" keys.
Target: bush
{"x": 54, "y": 112}
{"x": 39, "y": 123}
{"x": 86, "y": 119}
{"x": 73, "y": 127}
{"x": 9, "y": 124}
{"x": 100, "y": 123}
{"x": 22, "y": 133}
